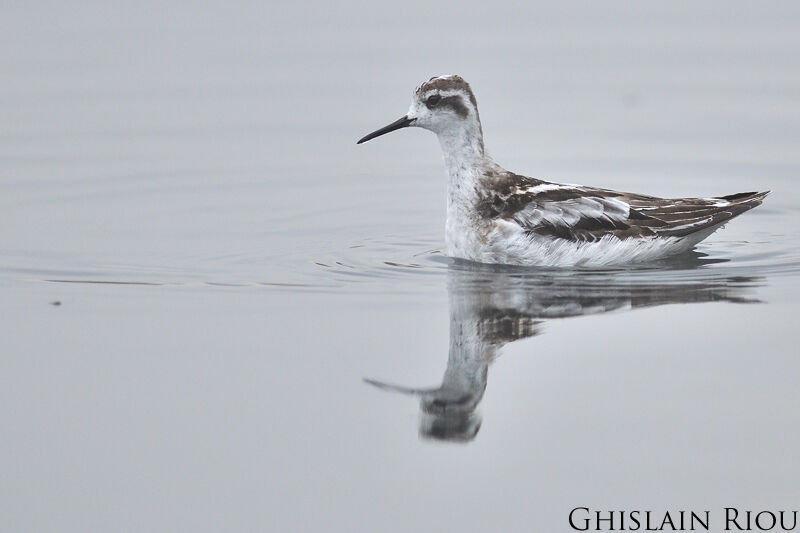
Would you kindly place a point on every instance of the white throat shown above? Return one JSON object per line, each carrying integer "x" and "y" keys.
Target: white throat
{"x": 466, "y": 162}
{"x": 462, "y": 145}
{"x": 464, "y": 158}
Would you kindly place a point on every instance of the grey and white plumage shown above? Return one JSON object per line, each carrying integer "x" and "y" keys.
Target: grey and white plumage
{"x": 497, "y": 216}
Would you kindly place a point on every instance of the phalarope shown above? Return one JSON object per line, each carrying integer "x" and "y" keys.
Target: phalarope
{"x": 497, "y": 216}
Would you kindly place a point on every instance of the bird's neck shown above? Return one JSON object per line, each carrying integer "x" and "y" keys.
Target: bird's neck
{"x": 462, "y": 146}
{"x": 465, "y": 160}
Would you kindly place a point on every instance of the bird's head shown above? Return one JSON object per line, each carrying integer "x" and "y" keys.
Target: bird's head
{"x": 444, "y": 105}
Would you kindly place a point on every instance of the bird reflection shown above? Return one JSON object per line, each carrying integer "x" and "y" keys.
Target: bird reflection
{"x": 491, "y": 306}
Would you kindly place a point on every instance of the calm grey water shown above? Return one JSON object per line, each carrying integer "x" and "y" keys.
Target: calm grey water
{"x": 230, "y": 267}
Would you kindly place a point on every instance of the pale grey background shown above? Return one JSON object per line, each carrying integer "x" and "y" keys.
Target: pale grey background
{"x": 206, "y": 154}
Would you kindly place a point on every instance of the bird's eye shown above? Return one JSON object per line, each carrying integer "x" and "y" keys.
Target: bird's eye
{"x": 433, "y": 100}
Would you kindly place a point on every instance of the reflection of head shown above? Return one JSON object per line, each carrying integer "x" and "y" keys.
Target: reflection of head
{"x": 460, "y": 427}
{"x": 450, "y": 415}
{"x": 440, "y": 403}
{"x": 448, "y": 412}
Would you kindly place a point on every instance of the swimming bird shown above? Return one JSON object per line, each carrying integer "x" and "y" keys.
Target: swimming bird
{"x": 497, "y": 216}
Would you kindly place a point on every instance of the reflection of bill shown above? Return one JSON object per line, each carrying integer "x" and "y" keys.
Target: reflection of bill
{"x": 490, "y": 307}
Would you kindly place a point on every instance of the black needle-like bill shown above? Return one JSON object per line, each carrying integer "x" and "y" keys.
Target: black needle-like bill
{"x": 402, "y": 122}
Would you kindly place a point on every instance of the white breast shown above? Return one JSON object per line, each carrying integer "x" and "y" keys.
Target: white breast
{"x": 508, "y": 243}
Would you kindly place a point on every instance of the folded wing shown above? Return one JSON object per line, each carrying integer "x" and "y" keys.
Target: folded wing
{"x": 587, "y": 214}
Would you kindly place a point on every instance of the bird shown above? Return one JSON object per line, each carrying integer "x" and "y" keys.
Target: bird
{"x": 497, "y": 216}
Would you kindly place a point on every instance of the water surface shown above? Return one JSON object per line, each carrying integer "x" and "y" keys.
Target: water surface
{"x": 199, "y": 269}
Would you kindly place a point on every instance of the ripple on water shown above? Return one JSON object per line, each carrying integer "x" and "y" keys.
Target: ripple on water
{"x": 368, "y": 265}
{"x": 402, "y": 264}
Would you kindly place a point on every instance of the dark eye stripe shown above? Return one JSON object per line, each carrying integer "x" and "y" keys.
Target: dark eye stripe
{"x": 456, "y": 104}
